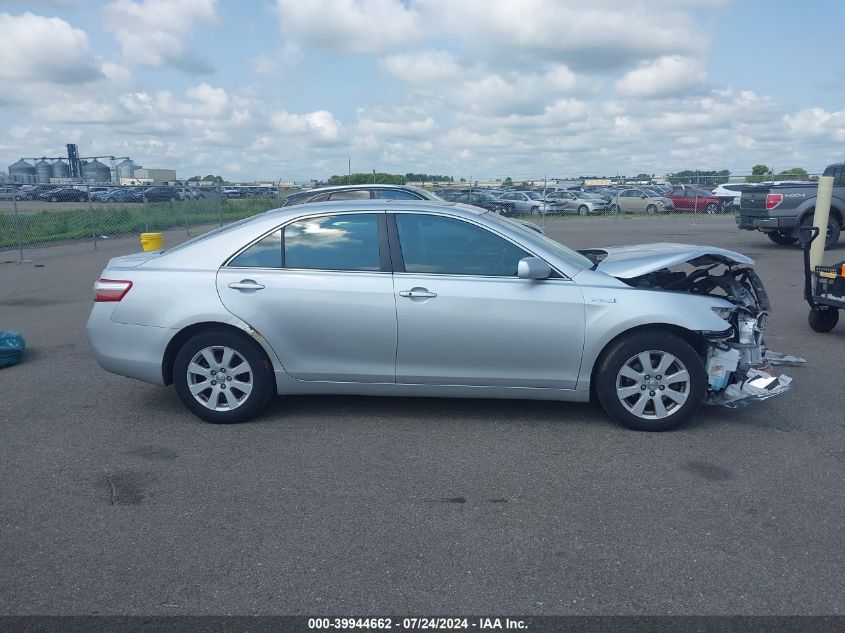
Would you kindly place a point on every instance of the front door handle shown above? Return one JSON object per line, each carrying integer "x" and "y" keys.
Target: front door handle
{"x": 417, "y": 293}
{"x": 246, "y": 284}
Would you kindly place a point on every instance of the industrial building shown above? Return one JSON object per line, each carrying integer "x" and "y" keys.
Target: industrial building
{"x": 73, "y": 169}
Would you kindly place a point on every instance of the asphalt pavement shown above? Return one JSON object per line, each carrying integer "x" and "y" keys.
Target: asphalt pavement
{"x": 115, "y": 500}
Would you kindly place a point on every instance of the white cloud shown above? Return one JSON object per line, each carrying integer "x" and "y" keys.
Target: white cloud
{"x": 157, "y": 32}
{"x": 319, "y": 127}
{"x": 422, "y": 67}
{"x": 817, "y": 122}
{"x": 350, "y": 26}
{"x": 668, "y": 75}
{"x": 37, "y": 48}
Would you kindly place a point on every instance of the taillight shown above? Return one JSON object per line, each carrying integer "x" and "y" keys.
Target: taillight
{"x": 773, "y": 200}
{"x": 111, "y": 289}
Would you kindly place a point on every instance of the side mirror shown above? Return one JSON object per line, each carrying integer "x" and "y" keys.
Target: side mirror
{"x": 643, "y": 196}
{"x": 533, "y": 268}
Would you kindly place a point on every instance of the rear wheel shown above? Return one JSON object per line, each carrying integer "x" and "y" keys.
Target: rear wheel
{"x": 833, "y": 229}
{"x": 823, "y": 320}
{"x": 535, "y": 210}
{"x": 651, "y": 381}
{"x": 223, "y": 377}
{"x": 782, "y": 238}
{"x": 614, "y": 208}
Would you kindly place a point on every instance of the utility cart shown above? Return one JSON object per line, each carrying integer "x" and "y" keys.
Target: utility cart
{"x": 824, "y": 287}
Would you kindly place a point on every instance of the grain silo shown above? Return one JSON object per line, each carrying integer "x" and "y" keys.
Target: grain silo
{"x": 59, "y": 169}
{"x": 125, "y": 169}
{"x": 22, "y": 172}
{"x": 43, "y": 171}
{"x": 95, "y": 171}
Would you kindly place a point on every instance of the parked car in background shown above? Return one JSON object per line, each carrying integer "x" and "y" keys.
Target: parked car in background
{"x": 487, "y": 201}
{"x": 118, "y": 194}
{"x": 33, "y": 192}
{"x": 582, "y": 204}
{"x": 11, "y": 193}
{"x": 360, "y": 192}
{"x": 532, "y": 203}
{"x": 161, "y": 194}
{"x": 696, "y": 201}
{"x": 730, "y": 195}
{"x": 421, "y": 299}
{"x": 640, "y": 201}
{"x": 64, "y": 194}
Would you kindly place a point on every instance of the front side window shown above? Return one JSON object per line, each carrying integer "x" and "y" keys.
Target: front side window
{"x": 334, "y": 242}
{"x": 446, "y": 246}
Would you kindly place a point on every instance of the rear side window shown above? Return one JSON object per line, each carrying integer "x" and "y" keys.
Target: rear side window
{"x": 266, "y": 253}
{"x": 335, "y": 242}
{"x": 445, "y": 246}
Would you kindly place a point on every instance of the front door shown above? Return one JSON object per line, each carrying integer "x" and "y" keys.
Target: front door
{"x": 322, "y": 297}
{"x": 465, "y": 318}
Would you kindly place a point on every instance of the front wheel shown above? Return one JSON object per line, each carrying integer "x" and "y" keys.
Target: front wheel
{"x": 651, "y": 381}
{"x": 614, "y": 208}
{"x": 223, "y": 377}
{"x": 823, "y": 321}
{"x": 712, "y": 209}
{"x": 535, "y": 210}
{"x": 583, "y": 210}
{"x": 651, "y": 209}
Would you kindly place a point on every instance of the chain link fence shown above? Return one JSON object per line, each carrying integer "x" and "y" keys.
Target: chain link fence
{"x": 42, "y": 215}
{"x": 37, "y": 216}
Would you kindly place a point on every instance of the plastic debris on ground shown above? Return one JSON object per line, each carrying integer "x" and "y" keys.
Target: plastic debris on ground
{"x": 784, "y": 360}
{"x": 11, "y": 348}
{"x": 758, "y": 385}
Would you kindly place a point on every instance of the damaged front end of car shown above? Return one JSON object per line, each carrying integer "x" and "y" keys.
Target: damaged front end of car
{"x": 737, "y": 359}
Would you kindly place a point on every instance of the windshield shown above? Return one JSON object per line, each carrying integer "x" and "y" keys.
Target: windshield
{"x": 531, "y": 236}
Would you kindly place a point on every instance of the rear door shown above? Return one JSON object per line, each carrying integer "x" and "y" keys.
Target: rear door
{"x": 320, "y": 291}
{"x": 465, "y": 318}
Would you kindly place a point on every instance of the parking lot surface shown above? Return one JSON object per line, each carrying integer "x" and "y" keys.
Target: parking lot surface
{"x": 115, "y": 500}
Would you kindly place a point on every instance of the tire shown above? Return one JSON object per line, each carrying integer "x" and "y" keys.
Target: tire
{"x": 782, "y": 238}
{"x": 651, "y": 209}
{"x": 583, "y": 210}
{"x": 111, "y": 200}
{"x": 614, "y": 208}
{"x": 53, "y": 199}
{"x": 712, "y": 209}
{"x": 654, "y": 409}
{"x": 535, "y": 210}
{"x": 833, "y": 230}
{"x": 823, "y": 321}
{"x": 237, "y": 404}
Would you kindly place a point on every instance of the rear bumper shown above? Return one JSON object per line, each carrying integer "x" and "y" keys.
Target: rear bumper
{"x": 134, "y": 351}
{"x": 752, "y": 223}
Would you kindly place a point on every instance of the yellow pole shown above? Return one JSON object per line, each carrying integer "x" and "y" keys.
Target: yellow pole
{"x": 820, "y": 217}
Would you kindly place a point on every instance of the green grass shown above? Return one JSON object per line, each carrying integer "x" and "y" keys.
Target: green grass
{"x": 51, "y": 226}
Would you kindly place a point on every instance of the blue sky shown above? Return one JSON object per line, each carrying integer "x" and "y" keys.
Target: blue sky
{"x": 294, "y": 88}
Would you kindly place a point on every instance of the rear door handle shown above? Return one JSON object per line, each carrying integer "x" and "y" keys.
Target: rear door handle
{"x": 417, "y": 293}
{"x": 246, "y": 284}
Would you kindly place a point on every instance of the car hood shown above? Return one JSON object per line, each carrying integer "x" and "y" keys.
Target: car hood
{"x": 627, "y": 262}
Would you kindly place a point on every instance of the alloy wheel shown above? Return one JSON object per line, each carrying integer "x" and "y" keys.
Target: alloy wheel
{"x": 653, "y": 385}
{"x": 219, "y": 378}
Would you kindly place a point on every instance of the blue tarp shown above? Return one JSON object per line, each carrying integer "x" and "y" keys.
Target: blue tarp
{"x": 11, "y": 348}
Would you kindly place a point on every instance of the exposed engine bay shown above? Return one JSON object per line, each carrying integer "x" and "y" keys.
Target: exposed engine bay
{"x": 737, "y": 358}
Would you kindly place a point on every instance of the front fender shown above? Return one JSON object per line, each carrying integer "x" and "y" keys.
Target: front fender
{"x": 609, "y": 313}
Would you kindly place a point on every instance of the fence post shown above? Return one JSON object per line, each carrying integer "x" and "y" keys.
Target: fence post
{"x": 93, "y": 219}
{"x": 17, "y": 228}
{"x": 695, "y": 204}
{"x": 219, "y": 205}
{"x": 184, "y": 202}
{"x": 145, "y": 210}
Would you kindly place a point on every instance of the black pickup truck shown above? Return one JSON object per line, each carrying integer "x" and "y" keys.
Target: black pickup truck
{"x": 780, "y": 211}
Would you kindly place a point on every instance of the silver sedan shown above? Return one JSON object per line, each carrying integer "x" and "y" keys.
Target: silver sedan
{"x": 403, "y": 298}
